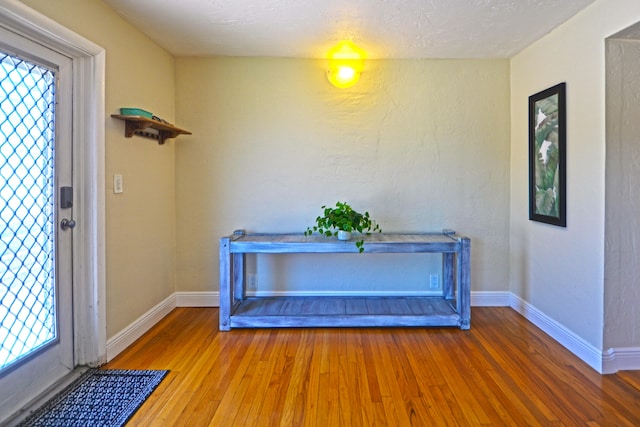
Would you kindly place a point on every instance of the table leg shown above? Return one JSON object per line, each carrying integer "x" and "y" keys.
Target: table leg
{"x": 448, "y": 273}
{"x": 238, "y": 277}
{"x": 464, "y": 283}
{"x": 225, "y": 285}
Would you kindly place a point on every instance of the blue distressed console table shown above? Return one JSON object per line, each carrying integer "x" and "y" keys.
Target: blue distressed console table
{"x": 450, "y": 309}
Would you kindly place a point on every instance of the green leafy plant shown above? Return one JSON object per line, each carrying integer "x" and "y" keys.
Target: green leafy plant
{"x": 344, "y": 217}
{"x": 547, "y": 171}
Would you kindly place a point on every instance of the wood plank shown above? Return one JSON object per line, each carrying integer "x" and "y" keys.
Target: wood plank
{"x": 326, "y": 306}
{"x": 374, "y": 243}
{"x": 426, "y": 306}
{"x": 330, "y": 306}
{"x": 262, "y": 306}
{"x": 288, "y": 306}
{"x": 225, "y": 284}
{"x": 238, "y": 285}
{"x": 464, "y": 284}
{"x": 355, "y": 306}
{"x": 448, "y": 275}
{"x": 377, "y": 307}
{"x": 343, "y": 321}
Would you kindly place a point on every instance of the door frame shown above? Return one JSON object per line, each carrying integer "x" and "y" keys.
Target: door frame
{"x": 89, "y": 277}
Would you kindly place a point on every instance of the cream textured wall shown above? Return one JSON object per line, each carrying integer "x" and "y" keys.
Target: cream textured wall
{"x": 140, "y": 230}
{"x": 560, "y": 271}
{"x": 421, "y": 144}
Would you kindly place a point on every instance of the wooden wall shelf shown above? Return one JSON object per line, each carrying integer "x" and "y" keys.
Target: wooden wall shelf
{"x": 137, "y": 125}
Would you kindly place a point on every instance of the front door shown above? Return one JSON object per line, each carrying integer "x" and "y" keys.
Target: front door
{"x": 36, "y": 319}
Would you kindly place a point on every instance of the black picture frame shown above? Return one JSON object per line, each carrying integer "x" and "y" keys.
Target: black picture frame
{"x": 547, "y": 156}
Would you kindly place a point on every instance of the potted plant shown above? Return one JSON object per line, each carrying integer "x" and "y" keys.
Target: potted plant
{"x": 341, "y": 221}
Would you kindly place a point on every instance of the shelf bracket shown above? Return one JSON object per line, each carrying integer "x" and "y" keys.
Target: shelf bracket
{"x": 135, "y": 125}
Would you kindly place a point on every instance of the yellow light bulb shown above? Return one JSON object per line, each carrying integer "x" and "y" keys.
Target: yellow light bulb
{"x": 345, "y": 64}
{"x": 346, "y": 73}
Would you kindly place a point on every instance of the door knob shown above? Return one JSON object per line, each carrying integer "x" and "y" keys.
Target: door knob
{"x": 67, "y": 223}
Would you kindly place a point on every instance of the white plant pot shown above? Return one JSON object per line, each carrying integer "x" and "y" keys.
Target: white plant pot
{"x": 344, "y": 235}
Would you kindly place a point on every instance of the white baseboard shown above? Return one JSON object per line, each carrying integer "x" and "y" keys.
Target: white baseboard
{"x": 620, "y": 359}
{"x": 135, "y": 330}
{"x": 608, "y": 362}
{"x": 579, "y": 347}
{"x": 197, "y": 299}
{"x": 490, "y": 299}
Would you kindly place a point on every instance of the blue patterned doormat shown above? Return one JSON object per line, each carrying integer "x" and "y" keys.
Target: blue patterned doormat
{"x": 98, "y": 398}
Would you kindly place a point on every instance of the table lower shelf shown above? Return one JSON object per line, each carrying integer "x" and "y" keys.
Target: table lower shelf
{"x": 287, "y": 312}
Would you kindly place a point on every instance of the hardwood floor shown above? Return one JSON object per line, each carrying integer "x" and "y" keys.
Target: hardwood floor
{"x": 504, "y": 371}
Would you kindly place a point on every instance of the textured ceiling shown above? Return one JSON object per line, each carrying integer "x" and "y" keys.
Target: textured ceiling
{"x": 384, "y": 28}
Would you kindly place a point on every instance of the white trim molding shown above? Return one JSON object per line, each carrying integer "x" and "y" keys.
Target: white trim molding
{"x": 620, "y": 359}
{"x": 197, "y": 299}
{"x": 604, "y": 362}
{"x": 126, "y": 337}
{"x": 572, "y": 342}
{"x": 490, "y": 299}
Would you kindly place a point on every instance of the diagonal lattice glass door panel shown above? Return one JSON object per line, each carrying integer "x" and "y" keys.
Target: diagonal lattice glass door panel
{"x": 27, "y": 210}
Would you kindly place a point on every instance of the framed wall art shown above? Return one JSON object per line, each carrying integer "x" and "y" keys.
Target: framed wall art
{"x": 547, "y": 156}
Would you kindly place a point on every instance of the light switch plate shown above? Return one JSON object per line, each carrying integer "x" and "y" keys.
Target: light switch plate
{"x": 118, "y": 186}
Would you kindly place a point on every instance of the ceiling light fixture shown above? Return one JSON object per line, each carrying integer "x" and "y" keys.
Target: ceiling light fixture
{"x": 346, "y": 61}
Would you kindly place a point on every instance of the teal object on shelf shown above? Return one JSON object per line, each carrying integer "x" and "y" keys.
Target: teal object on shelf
{"x": 135, "y": 112}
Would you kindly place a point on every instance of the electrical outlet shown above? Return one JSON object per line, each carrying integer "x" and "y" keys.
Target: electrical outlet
{"x": 434, "y": 281}
{"x": 252, "y": 282}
